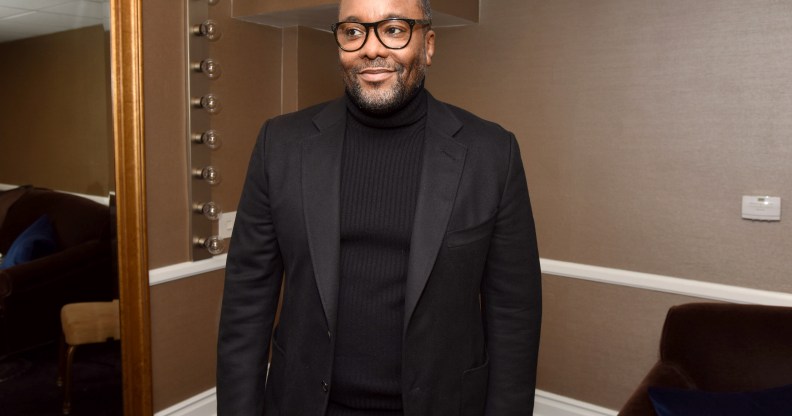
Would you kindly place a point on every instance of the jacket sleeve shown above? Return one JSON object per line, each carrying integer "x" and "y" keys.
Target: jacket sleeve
{"x": 512, "y": 299}
{"x": 254, "y": 271}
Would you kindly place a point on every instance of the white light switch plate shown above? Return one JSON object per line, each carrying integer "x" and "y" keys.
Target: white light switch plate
{"x": 763, "y": 208}
{"x": 226, "y": 224}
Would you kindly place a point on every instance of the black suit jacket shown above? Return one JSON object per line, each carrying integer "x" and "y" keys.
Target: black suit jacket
{"x": 473, "y": 292}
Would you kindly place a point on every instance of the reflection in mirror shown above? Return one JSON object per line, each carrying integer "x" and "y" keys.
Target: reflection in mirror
{"x": 56, "y": 140}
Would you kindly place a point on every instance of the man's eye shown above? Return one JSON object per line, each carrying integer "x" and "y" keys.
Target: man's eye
{"x": 394, "y": 30}
{"x": 353, "y": 33}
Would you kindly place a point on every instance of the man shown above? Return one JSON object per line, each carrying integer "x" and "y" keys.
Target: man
{"x": 404, "y": 231}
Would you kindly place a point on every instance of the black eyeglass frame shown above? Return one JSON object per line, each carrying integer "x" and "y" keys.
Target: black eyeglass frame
{"x": 375, "y": 25}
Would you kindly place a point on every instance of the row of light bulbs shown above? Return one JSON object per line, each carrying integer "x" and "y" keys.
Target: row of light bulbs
{"x": 210, "y": 103}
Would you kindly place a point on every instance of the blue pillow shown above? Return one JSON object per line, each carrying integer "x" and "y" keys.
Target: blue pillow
{"x": 675, "y": 402}
{"x": 38, "y": 240}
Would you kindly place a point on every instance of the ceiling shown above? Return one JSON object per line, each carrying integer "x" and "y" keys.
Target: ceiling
{"x": 21, "y": 19}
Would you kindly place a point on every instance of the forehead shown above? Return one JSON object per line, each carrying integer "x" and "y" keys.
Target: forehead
{"x": 372, "y": 10}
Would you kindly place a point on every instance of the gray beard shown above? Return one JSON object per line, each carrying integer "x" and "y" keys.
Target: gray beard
{"x": 383, "y": 101}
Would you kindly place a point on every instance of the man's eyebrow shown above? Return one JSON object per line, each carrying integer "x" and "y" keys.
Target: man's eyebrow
{"x": 356, "y": 19}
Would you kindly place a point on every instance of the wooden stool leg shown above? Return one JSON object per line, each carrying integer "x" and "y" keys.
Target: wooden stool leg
{"x": 68, "y": 379}
{"x": 61, "y": 361}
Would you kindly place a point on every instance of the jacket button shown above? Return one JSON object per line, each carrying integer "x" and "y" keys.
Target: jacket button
{"x": 325, "y": 386}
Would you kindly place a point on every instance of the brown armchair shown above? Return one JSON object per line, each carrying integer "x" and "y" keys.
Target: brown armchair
{"x": 81, "y": 270}
{"x": 719, "y": 348}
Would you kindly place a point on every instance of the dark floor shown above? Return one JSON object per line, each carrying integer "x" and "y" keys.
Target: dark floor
{"x": 27, "y": 382}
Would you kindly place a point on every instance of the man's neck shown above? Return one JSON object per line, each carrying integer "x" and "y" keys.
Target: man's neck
{"x": 413, "y": 110}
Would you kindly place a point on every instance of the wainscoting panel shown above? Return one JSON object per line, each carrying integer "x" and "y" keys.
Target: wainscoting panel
{"x": 547, "y": 404}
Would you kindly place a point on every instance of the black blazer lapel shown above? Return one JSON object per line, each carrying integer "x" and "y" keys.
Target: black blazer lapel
{"x": 321, "y": 177}
{"x": 443, "y": 160}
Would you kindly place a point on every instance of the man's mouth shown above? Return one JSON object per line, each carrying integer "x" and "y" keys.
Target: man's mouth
{"x": 375, "y": 74}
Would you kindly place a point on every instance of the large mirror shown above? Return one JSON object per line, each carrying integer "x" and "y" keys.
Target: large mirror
{"x": 53, "y": 51}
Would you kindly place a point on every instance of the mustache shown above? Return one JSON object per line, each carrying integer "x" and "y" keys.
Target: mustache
{"x": 379, "y": 63}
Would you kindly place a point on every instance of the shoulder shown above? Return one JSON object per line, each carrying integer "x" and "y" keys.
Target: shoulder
{"x": 281, "y": 139}
{"x": 472, "y": 131}
{"x": 469, "y": 124}
{"x": 304, "y": 121}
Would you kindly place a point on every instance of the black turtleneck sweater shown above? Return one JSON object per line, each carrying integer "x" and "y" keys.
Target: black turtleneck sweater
{"x": 380, "y": 176}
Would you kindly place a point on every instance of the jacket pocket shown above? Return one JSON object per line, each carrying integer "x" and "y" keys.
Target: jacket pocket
{"x": 474, "y": 390}
{"x": 470, "y": 235}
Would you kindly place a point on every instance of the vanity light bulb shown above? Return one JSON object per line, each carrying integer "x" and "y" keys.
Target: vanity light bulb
{"x": 213, "y": 2}
{"x": 209, "y": 29}
{"x": 209, "y": 102}
{"x": 211, "y": 211}
{"x": 214, "y": 244}
{"x": 209, "y": 67}
{"x": 209, "y": 174}
{"x": 211, "y": 139}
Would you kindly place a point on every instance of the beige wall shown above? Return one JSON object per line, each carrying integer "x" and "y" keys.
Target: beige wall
{"x": 54, "y": 115}
{"x": 319, "y": 72}
{"x": 165, "y": 135}
{"x": 641, "y": 125}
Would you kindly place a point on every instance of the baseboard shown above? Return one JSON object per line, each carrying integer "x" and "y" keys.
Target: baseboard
{"x": 547, "y": 404}
{"x": 104, "y": 200}
{"x": 551, "y": 404}
{"x": 204, "y": 404}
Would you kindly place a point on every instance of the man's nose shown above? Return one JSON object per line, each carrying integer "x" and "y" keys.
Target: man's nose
{"x": 373, "y": 48}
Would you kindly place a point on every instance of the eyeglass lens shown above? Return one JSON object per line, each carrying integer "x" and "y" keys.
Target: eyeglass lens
{"x": 394, "y": 34}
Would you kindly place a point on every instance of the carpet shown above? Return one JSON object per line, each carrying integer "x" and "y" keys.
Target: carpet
{"x": 28, "y": 382}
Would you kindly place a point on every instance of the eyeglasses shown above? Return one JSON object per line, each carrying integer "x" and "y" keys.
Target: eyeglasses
{"x": 394, "y": 33}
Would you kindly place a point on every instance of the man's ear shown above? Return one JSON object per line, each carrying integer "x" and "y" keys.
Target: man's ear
{"x": 430, "y": 46}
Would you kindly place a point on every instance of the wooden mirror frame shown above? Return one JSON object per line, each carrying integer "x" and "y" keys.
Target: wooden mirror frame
{"x": 127, "y": 90}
